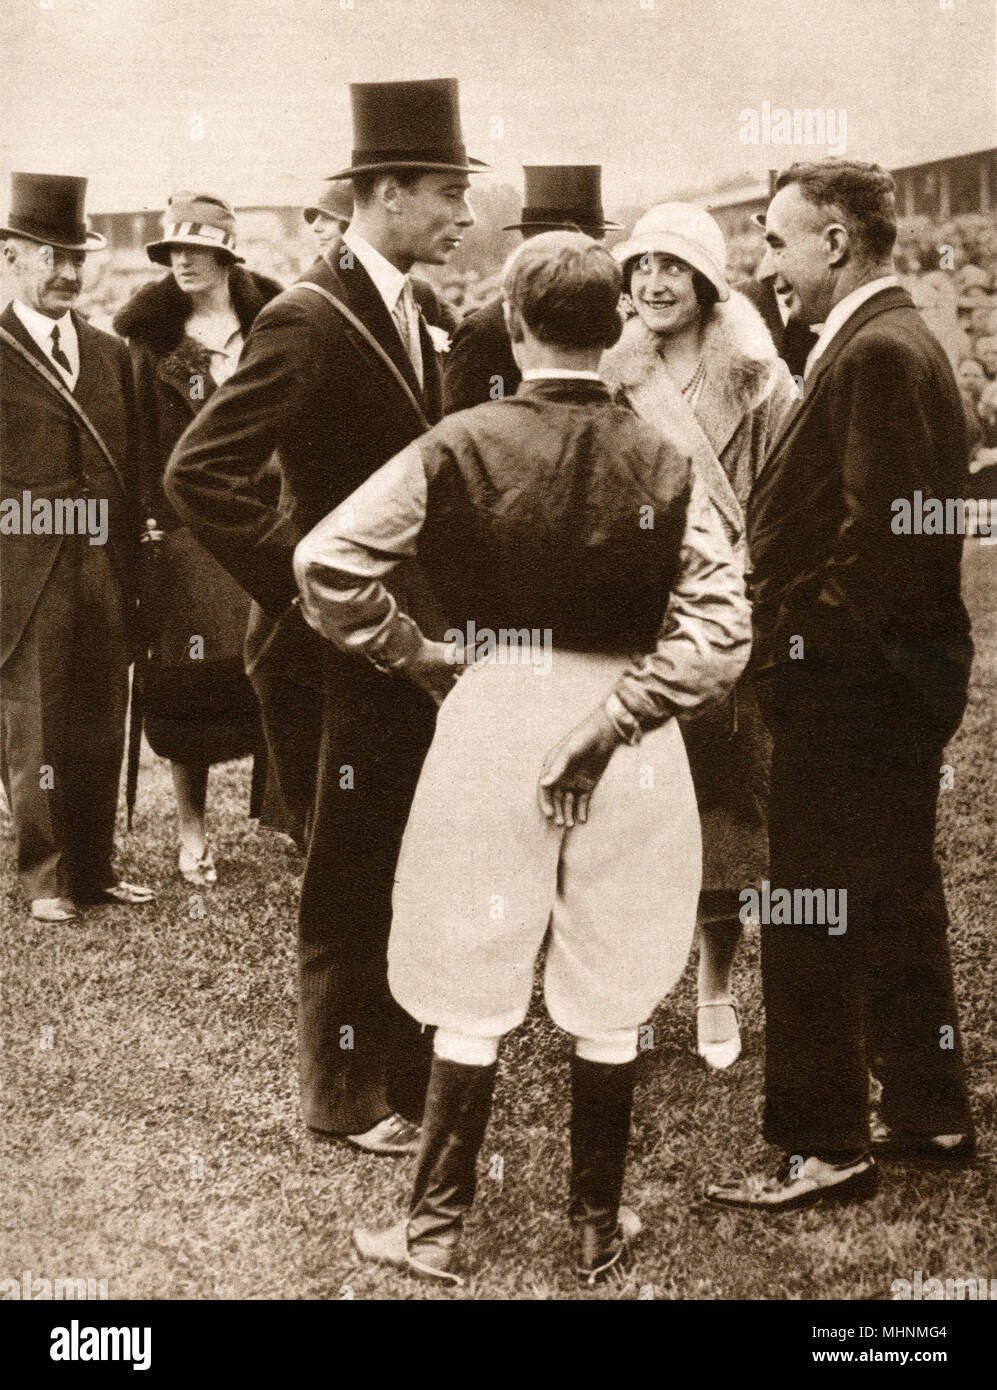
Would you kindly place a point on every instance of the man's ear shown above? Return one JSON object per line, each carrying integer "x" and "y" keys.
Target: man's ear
{"x": 836, "y": 240}
{"x": 389, "y": 193}
{"x": 513, "y": 322}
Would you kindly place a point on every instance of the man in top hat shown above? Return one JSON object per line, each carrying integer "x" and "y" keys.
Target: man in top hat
{"x": 480, "y": 366}
{"x": 69, "y": 519}
{"x": 329, "y": 217}
{"x": 339, "y": 373}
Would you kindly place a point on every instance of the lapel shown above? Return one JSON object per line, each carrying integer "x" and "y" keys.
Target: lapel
{"x": 893, "y": 298}
{"x": 87, "y": 390}
{"x": 16, "y": 328}
{"x": 358, "y": 292}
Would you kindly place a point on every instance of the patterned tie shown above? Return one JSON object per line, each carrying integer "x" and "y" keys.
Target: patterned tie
{"x": 406, "y": 318}
{"x": 58, "y": 356}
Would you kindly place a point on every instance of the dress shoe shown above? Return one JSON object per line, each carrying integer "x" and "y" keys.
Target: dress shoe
{"x": 54, "y": 910}
{"x": 392, "y": 1135}
{"x": 390, "y": 1246}
{"x": 198, "y": 869}
{"x": 800, "y": 1185}
{"x": 121, "y": 894}
{"x": 907, "y": 1146}
{"x": 719, "y": 1053}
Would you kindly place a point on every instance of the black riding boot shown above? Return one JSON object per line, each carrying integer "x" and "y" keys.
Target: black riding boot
{"x": 427, "y": 1241}
{"x": 601, "y": 1102}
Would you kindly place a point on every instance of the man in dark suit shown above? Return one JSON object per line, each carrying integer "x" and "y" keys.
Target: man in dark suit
{"x": 70, "y": 527}
{"x": 479, "y": 365}
{"x": 337, "y": 388}
{"x": 863, "y": 651}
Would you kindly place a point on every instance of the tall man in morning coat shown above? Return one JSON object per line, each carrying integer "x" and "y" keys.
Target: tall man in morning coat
{"x": 479, "y": 365}
{"x": 67, "y": 590}
{"x": 863, "y": 651}
{"x": 337, "y": 389}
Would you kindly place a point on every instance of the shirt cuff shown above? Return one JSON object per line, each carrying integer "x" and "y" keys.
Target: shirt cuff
{"x": 626, "y": 724}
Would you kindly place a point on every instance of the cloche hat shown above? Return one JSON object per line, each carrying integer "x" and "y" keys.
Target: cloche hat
{"x": 686, "y": 232}
{"x": 196, "y": 219}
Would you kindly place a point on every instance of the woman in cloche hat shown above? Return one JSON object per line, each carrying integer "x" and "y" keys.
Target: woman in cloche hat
{"x": 185, "y": 332}
{"x": 697, "y": 361}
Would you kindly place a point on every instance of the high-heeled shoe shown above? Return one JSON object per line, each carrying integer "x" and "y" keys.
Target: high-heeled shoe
{"x": 199, "y": 871}
{"x": 724, "y": 1053}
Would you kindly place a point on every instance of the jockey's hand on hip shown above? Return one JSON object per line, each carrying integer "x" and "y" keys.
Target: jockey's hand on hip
{"x": 436, "y": 668}
{"x": 572, "y": 768}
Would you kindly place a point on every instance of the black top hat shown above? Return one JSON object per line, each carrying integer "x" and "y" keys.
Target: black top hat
{"x": 49, "y": 208}
{"x": 335, "y": 200}
{"x": 407, "y": 125}
{"x": 563, "y": 195}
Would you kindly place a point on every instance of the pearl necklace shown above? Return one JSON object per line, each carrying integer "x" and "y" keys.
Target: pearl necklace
{"x": 692, "y": 385}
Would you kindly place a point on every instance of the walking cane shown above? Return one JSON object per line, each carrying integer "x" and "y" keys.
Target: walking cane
{"x": 149, "y": 594}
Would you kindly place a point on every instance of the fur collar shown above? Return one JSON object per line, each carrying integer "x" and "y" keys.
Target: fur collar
{"x": 738, "y": 354}
{"x": 156, "y": 315}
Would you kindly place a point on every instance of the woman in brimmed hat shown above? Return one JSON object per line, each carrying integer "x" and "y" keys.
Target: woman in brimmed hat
{"x": 185, "y": 333}
{"x": 697, "y": 361}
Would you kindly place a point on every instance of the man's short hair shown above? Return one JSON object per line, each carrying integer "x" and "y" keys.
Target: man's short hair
{"x": 863, "y": 196}
{"x": 566, "y": 288}
{"x": 364, "y": 184}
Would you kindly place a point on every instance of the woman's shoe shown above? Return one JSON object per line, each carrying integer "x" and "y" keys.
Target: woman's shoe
{"x": 719, "y": 1053}
{"x": 199, "y": 871}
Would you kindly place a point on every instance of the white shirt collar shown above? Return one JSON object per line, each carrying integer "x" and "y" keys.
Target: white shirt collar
{"x": 388, "y": 279}
{"x": 843, "y": 311}
{"x": 40, "y": 327}
{"x": 559, "y": 373}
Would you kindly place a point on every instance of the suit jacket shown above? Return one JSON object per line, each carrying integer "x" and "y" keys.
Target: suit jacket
{"x": 881, "y": 418}
{"x": 480, "y": 350}
{"x": 45, "y": 450}
{"x": 310, "y": 388}
{"x": 793, "y": 340}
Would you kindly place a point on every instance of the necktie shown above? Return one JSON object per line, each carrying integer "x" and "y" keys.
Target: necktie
{"x": 58, "y": 356}
{"x": 406, "y": 319}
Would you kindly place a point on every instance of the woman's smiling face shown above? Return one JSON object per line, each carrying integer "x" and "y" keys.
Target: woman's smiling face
{"x": 663, "y": 292}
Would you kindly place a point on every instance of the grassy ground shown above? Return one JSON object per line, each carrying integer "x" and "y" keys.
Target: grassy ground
{"x": 156, "y": 1143}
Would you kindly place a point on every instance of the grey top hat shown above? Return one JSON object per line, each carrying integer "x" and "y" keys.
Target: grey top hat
{"x": 196, "y": 219}
{"x": 48, "y": 208}
{"x": 407, "y": 125}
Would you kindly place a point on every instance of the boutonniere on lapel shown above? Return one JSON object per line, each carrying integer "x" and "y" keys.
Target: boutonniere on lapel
{"x": 440, "y": 337}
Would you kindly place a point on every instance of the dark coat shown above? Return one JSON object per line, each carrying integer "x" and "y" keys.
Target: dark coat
{"x": 165, "y": 360}
{"x": 310, "y": 387}
{"x": 45, "y": 450}
{"x": 881, "y": 418}
{"x": 793, "y": 340}
{"x": 480, "y": 351}
{"x": 195, "y": 712}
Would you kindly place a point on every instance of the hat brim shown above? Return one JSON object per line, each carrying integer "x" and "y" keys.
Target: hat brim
{"x": 473, "y": 166}
{"x": 94, "y": 241}
{"x": 671, "y": 244}
{"x": 159, "y": 251}
{"x": 311, "y": 213}
{"x": 559, "y": 226}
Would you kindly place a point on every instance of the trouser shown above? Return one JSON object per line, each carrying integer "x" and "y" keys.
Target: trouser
{"x": 63, "y": 704}
{"x": 360, "y": 1055}
{"x": 853, "y": 801}
{"x": 291, "y": 715}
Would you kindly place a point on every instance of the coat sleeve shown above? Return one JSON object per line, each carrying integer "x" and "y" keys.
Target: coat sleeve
{"x": 211, "y": 477}
{"x": 340, "y": 564}
{"x": 881, "y": 424}
{"x": 705, "y": 636}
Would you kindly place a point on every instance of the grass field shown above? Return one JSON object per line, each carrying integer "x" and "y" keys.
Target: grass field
{"x": 156, "y": 1143}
